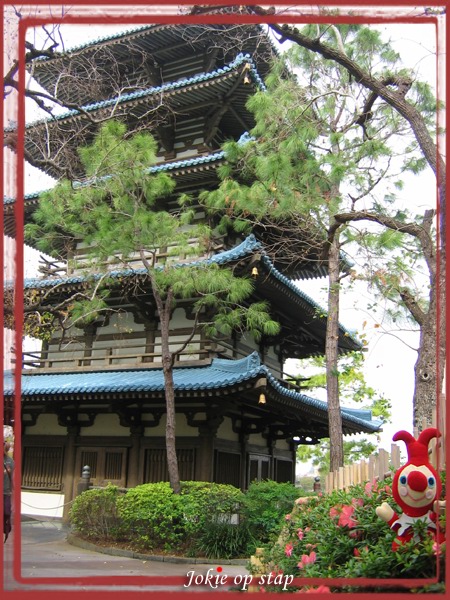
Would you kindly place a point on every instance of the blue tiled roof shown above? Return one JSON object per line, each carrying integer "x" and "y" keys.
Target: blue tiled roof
{"x": 246, "y": 248}
{"x": 167, "y": 87}
{"x": 222, "y": 373}
{"x": 9, "y": 200}
{"x": 166, "y": 167}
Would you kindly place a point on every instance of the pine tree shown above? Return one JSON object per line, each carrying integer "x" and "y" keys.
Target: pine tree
{"x": 122, "y": 214}
{"x": 314, "y": 160}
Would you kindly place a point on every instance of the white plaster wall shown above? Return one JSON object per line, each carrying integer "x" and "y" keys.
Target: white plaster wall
{"x": 274, "y": 362}
{"x": 42, "y": 504}
{"x": 46, "y": 425}
{"x": 226, "y": 432}
{"x": 180, "y": 146}
{"x": 247, "y": 344}
{"x": 282, "y": 445}
{"x": 68, "y": 352}
{"x": 257, "y": 438}
{"x": 179, "y": 319}
{"x": 181, "y": 428}
{"x": 120, "y": 322}
{"x": 272, "y": 355}
{"x": 105, "y": 425}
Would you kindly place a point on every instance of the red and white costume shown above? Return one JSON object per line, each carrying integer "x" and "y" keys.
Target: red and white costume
{"x": 415, "y": 487}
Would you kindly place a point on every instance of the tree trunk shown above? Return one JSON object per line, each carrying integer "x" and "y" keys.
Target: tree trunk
{"x": 164, "y": 310}
{"x": 429, "y": 375}
{"x": 430, "y": 364}
{"x": 168, "y": 359}
{"x": 172, "y": 461}
{"x": 331, "y": 356}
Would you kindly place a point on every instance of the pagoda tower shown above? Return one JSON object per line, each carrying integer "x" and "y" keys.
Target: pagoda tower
{"x": 97, "y": 397}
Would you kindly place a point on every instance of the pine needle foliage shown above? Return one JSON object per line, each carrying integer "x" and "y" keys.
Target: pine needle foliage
{"x": 119, "y": 211}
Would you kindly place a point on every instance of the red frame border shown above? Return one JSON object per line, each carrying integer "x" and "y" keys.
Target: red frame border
{"x": 19, "y": 215}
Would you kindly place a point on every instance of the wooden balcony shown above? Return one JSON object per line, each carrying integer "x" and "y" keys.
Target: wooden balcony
{"x": 130, "y": 357}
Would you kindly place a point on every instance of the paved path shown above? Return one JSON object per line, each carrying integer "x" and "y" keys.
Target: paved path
{"x": 45, "y": 553}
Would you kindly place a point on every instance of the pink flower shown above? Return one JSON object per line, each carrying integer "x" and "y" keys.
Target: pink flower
{"x": 300, "y": 534}
{"x": 438, "y": 548}
{"x": 322, "y": 589}
{"x": 357, "y": 502}
{"x": 288, "y": 549}
{"x": 288, "y": 517}
{"x": 302, "y": 500}
{"x": 307, "y": 560}
{"x": 370, "y": 487}
{"x": 275, "y": 573}
{"x": 307, "y": 529}
{"x": 311, "y": 546}
{"x": 346, "y": 517}
{"x": 334, "y": 512}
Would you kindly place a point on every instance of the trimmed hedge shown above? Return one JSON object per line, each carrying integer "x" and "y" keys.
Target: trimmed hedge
{"x": 205, "y": 519}
{"x": 151, "y": 517}
{"x": 94, "y": 514}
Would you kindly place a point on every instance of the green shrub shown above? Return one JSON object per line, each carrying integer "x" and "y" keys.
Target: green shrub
{"x": 205, "y": 502}
{"x": 339, "y": 535}
{"x": 224, "y": 540}
{"x": 94, "y": 514}
{"x": 265, "y": 505}
{"x": 152, "y": 516}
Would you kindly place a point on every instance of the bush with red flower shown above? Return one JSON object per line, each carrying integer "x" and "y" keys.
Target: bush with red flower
{"x": 339, "y": 535}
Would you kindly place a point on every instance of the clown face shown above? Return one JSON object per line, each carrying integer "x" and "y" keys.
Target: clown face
{"x": 416, "y": 486}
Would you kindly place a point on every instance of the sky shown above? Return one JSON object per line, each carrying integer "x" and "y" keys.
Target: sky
{"x": 390, "y": 357}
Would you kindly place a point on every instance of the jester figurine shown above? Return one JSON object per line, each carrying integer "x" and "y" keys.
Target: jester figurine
{"x": 416, "y": 488}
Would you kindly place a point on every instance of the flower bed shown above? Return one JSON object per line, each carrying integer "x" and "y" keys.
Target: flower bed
{"x": 340, "y": 536}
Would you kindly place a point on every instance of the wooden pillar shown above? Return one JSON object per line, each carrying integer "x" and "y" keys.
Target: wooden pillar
{"x": 133, "y": 472}
{"x": 69, "y": 469}
{"x": 243, "y": 438}
{"x": 293, "y": 446}
{"x": 205, "y": 460}
{"x": 271, "y": 447}
{"x": 207, "y": 431}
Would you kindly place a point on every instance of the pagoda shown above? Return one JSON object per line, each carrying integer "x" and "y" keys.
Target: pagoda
{"x": 97, "y": 398}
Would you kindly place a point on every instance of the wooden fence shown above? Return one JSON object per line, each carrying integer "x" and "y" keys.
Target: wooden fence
{"x": 383, "y": 463}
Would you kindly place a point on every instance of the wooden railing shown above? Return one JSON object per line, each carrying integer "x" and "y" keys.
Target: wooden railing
{"x": 383, "y": 463}
{"x": 132, "y": 356}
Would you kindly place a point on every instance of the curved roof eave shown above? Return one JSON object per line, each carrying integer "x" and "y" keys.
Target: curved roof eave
{"x": 176, "y": 165}
{"x": 246, "y": 248}
{"x": 221, "y": 374}
{"x": 116, "y": 37}
{"x": 184, "y": 82}
{"x": 359, "y": 417}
